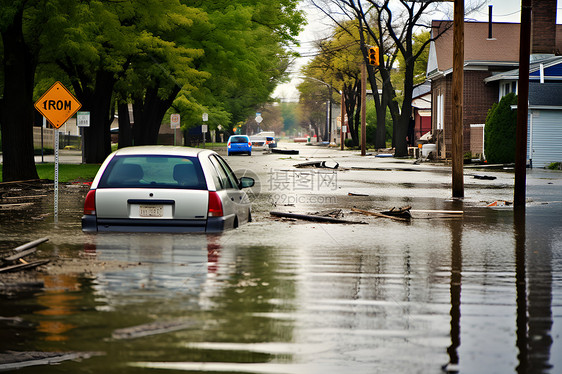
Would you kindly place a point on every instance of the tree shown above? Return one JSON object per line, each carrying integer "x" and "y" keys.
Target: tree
{"x": 392, "y": 30}
{"x": 100, "y": 51}
{"x": 312, "y": 107}
{"x": 289, "y": 116}
{"x": 338, "y": 65}
{"x": 499, "y": 131}
{"x": 20, "y": 26}
{"x": 244, "y": 56}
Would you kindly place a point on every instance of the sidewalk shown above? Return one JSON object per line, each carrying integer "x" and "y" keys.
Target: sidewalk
{"x": 66, "y": 156}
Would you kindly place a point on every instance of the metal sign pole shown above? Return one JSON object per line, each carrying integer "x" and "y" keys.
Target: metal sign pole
{"x": 56, "y": 214}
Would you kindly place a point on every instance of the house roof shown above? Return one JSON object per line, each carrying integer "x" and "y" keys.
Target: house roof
{"x": 501, "y": 50}
{"x": 543, "y": 95}
{"x": 552, "y": 69}
{"x": 421, "y": 89}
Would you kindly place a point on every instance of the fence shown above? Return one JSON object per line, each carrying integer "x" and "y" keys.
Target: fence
{"x": 65, "y": 139}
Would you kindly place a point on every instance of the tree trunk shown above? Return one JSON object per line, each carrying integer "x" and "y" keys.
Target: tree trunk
{"x": 149, "y": 113}
{"x": 125, "y": 138}
{"x": 351, "y": 98}
{"x": 404, "y": 118}
{"x": 97, "y": 137}
{"x": 16, "y": 109}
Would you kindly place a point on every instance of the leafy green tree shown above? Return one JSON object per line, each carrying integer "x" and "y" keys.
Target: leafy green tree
{"x": 110, "y": 40}
{"x": 312, "y": 107}
{"x": 499, "y": 131}
{"x": 244, "y": 55}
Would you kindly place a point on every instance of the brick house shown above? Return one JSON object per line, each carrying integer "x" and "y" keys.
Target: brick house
{"x": 421, "y": 111}
{"x": 489, "y": 49}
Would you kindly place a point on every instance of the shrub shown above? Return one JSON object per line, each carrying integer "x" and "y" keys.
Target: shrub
{"x": 499, "y": 131}
{"x": 349, "y": 143}
{"x": 555, "y": 166}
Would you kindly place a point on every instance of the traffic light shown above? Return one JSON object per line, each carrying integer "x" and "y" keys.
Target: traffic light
{"x": 374, "y": 56}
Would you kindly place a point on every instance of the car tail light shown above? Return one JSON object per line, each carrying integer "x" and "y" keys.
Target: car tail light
{"x": 249, "y": 144}
{"x": 215, "y": 205}
{"x": 90, "y": 203}
{"x": 228, "y": 145}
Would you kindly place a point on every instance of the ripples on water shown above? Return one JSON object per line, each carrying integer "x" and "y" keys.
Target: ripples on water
{"x": 279, "y": 297}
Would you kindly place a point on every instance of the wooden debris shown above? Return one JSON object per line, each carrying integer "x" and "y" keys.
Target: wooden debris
{"x": 12, "y": 360}
{"x": 32, "y": 244}
{"x": 21, "y": 254}
{"x": 24, "y": 266}
{"x": 149, "y": 329}
{"x": 314, "y": 218}
{"x": 316, "y": 164}
{"x": 30, "y": 197}
{"x": 437, "y": 211}
{"x": 14, "y": 205}
{"x": 376, "y": 214}
{"x": 485, "y": 177}
{"x": 356, "y": 194}
{"x": 336, "y": 213}
{"x": 403, "y": 212}
{"x": 15, "y": 262}
{"x": 285, "y": 151}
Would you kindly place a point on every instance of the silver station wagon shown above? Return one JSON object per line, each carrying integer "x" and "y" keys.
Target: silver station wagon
{"x": 166, "y": 189}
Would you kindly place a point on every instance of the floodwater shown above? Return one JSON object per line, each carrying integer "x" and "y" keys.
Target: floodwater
{"x": 479, "y": 292}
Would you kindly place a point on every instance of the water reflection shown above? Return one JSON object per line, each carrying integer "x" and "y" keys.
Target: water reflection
{"x": 534, "y": 287}
{"x": 455, "y": 290}
{"x": 59, "y": 302}
{"x": 521, "y": 290}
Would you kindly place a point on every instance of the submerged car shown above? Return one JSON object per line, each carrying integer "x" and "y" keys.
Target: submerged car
{"x": 166, "y": 189}
{"x": 239, "y": 144}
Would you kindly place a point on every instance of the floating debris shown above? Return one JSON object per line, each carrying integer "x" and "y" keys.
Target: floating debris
{"x": 316, "y": 164}
{"x": 376, "y": 214}
{"x": 485, "y": 177}
{"x": 148, "y": 329}
{"x": 15, "y": 262}
{"x": 314, "y": 218}
{"x": 356, "y": 194}
{"x": 12, "y": 360}
{"x": 285, "y": 151}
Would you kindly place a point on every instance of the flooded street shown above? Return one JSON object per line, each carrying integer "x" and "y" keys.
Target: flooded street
{"x": 477, "y": 292}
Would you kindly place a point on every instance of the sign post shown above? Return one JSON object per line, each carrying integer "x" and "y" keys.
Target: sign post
{"x": 204, "y": 127}
{"x": 82, "y": 120}
{"x": 175, "y": 124}
{"x": 259, "y": 120}
{"x": 57, "y": 105}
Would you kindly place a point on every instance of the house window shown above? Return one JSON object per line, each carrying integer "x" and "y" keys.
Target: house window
{"x": 508, "y": 87}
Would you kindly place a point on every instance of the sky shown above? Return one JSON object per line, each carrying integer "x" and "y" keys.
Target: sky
{"x": 320, "y": 25}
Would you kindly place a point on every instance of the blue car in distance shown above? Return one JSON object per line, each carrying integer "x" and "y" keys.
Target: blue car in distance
{"x": 239, "y": 144}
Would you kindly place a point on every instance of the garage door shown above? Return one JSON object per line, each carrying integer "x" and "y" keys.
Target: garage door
{"x": 545, "y": 137}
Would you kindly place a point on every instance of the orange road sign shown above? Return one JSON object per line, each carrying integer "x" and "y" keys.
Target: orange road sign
{"x": 57, "y": 105}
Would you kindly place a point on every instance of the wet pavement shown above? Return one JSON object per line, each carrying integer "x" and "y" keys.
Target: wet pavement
{"x": 479, "y": 292}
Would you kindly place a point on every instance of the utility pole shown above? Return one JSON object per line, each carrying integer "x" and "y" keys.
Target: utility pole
{"x": 522, "y": 106}
{"x": 342, "y": 121}
{"x": 457, "y": 88}
{"x": 363, "y": 109}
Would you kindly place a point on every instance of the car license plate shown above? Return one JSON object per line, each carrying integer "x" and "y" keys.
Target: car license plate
{"x": 151, "y": 210}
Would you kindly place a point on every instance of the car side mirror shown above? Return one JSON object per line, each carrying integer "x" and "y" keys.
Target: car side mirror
{"x": 246, "y": 182}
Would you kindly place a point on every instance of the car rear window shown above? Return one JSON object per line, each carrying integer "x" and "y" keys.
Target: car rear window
{"x": 155, "y": 171}
{"x": 239, "y": 139}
